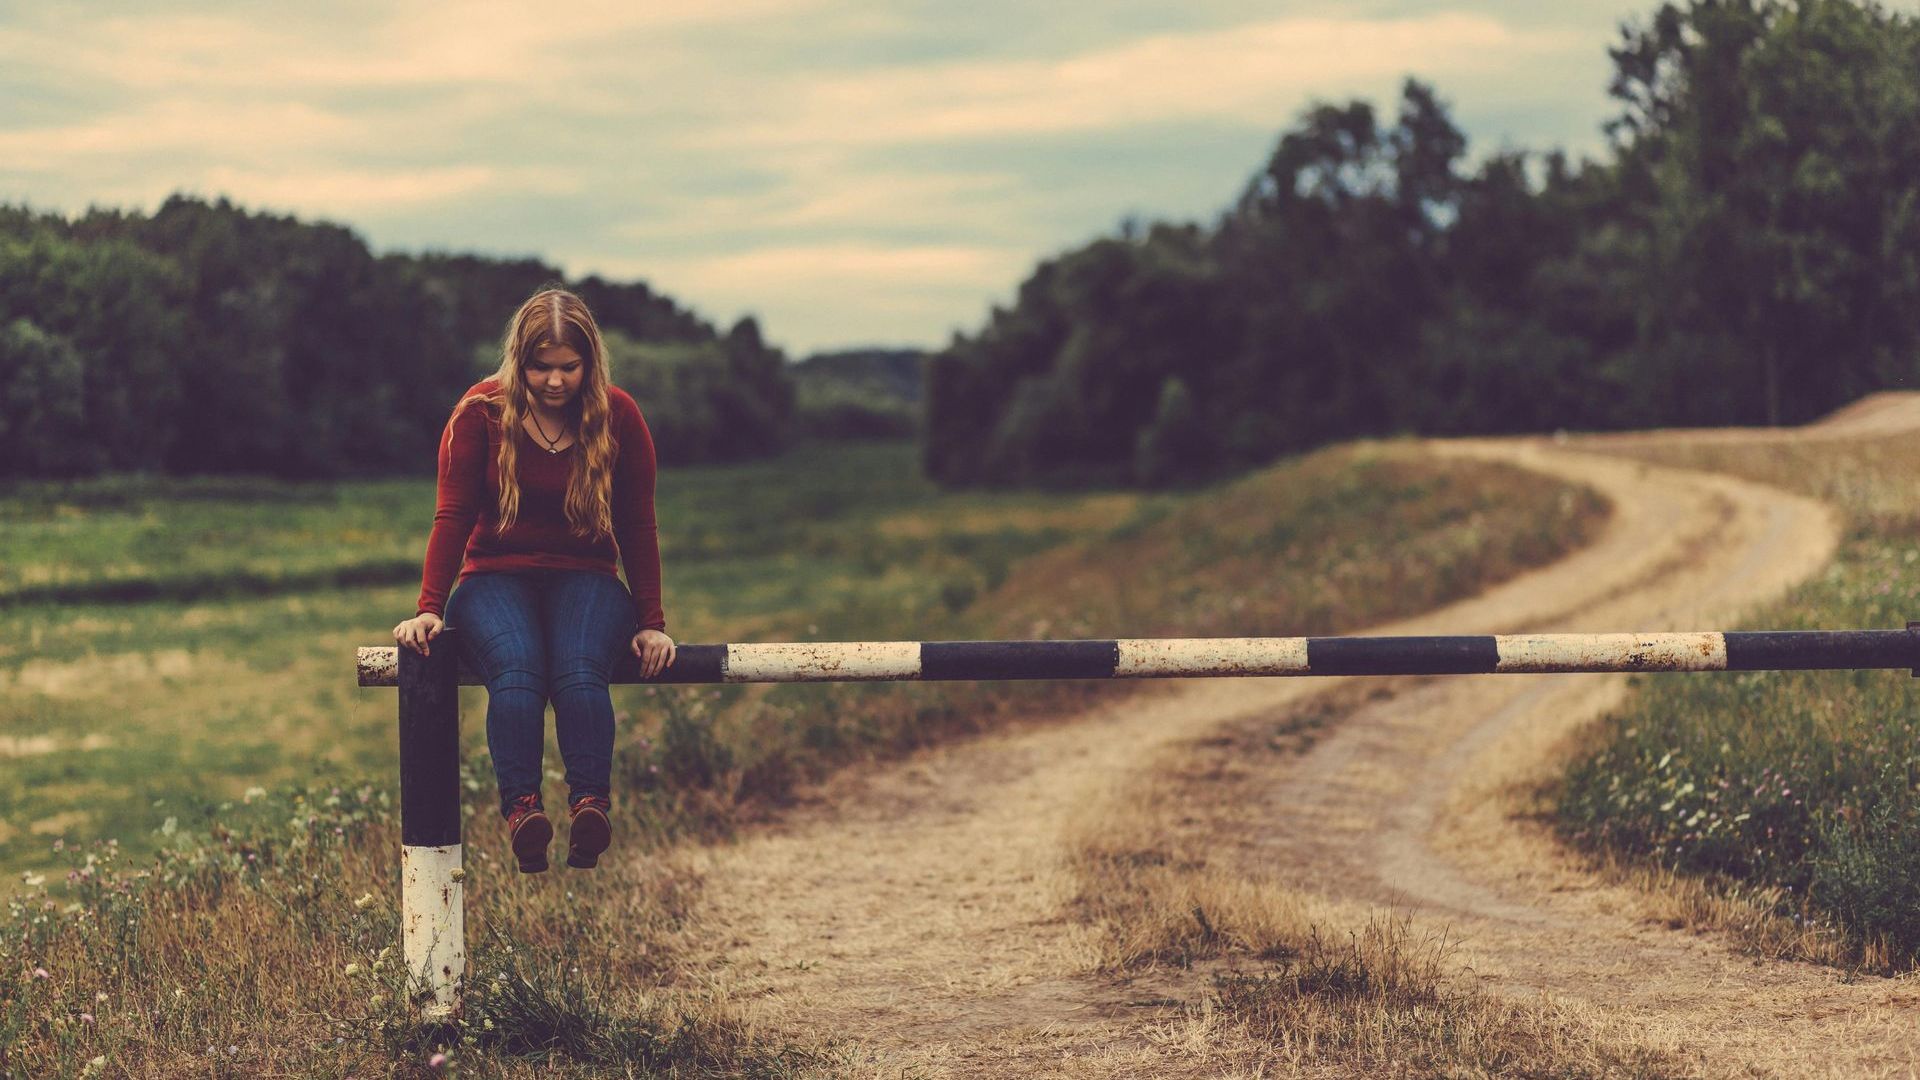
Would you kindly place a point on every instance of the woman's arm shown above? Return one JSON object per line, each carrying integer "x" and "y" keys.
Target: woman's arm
{"x": 458, "y": 494}
{"x": 634, "y": 528}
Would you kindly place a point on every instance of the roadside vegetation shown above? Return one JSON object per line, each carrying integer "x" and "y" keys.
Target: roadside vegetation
{"x": 1780, "y": 806}
{"x": 204, "y": 850}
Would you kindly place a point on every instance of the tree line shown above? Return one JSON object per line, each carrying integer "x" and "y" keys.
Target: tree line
{"x": 1748, "y": 252}
{"x": 207, "y": 339}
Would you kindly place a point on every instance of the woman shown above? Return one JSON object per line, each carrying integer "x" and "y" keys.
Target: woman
{"x": 546, "y": 475}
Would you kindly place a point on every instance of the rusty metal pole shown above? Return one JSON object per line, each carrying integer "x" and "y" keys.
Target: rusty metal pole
{"x": 432, "y": 901}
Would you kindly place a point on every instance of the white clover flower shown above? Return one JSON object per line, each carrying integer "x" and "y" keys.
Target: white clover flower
{"x": 352, "y": 970}
{"x": 364, "y": 902}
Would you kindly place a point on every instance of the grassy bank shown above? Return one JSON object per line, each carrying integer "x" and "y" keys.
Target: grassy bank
{"x": 1789, "y": 793}
{"x": 254, "y": 944}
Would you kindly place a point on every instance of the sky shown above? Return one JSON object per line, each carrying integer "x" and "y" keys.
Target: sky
{"x": 850, "y": 172}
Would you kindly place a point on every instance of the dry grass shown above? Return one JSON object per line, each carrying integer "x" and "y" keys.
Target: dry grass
{"x": 258, "y": 951}
{"x": 1168, "y": 875}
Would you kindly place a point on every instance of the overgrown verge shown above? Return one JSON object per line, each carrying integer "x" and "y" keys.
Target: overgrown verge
{"x": 1780, "y": 806}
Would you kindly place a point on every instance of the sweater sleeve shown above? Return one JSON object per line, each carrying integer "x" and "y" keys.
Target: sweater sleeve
{"x": 634, "y": 528}
{"x": 459, "y": 492}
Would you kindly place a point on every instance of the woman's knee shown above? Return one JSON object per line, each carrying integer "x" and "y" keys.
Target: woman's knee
{"x": 580, "y": 674}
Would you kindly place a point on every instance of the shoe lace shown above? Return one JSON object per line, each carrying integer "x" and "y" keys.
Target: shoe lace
{"x": 524, "y": 805}
{"x": 597, "y": 802}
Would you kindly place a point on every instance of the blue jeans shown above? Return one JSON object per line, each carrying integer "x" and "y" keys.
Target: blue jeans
{"x": 539, "y": 636}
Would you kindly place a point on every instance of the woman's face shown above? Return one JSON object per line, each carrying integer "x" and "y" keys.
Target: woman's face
{"x": 554, "y": 375}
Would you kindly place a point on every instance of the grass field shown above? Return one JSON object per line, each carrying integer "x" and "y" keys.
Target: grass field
{"x": 1788, "y": 792}
{"x": 219, "y": 728}
{"x": 116, "y": 714}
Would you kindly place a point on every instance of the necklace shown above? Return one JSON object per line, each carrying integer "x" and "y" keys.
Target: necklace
{"x": 552, "y": 444}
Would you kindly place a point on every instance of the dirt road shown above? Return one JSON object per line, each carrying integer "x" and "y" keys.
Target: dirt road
{"x": 917, "y": 916}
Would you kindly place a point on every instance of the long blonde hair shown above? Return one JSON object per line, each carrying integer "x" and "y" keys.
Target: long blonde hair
{"x": 554, "y": 316}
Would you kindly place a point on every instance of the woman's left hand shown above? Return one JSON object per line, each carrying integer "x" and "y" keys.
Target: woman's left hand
{"x": 655, "y": 650}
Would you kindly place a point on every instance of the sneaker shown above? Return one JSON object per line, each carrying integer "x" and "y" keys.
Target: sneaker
{"x": 590, "y": 832}
{"x": 528, "y": 832}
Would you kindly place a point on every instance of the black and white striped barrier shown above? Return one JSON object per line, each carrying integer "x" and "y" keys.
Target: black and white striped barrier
{"x": 433, "y": 936}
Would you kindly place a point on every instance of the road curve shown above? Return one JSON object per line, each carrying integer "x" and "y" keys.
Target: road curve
{"x": 915, "y": 916}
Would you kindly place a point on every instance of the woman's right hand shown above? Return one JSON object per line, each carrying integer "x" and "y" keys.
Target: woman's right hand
{"x": 416, "y": 632}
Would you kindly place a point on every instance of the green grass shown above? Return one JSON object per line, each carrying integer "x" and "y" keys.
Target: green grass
{"x": 114, "y": 715}
{"x": 1795, "y": 787}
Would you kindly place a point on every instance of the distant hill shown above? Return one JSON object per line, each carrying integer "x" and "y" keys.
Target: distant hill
{"x": 860, "y": 393}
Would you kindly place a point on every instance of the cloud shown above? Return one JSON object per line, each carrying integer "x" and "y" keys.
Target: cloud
{"x": 829, "y": 196}
{"x": 1240, "y": 73}
{"x": 830, "y": 267}
{"x": 412, "y": 44}
{"x": 372, "y": 191}
{"x": 171, "y": 124}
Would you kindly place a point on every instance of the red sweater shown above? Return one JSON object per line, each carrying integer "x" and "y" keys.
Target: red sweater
{"x": 467, "y": 515}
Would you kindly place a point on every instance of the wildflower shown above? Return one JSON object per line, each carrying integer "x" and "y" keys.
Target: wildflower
{"x": 437, "y": 1062}
{"x": 364, "y": 902}
{"x": 34, "y": 880}
{"x": 101, "y": 996}
{"x": 232, "y": 1050}
{"x": 377, "y": 1000}
{"x": 42, "y": 973}
{"x": 352, "y": 970}
{"x": 86, "y": 1018}
{"x": 95, "y": 1066}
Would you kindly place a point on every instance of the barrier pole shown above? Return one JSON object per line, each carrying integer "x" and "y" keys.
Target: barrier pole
{"x": 432, "y": 897}
{"x": 433, "y": 928}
